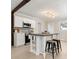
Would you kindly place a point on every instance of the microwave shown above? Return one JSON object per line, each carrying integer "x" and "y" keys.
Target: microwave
{"x": 26, "y": 25}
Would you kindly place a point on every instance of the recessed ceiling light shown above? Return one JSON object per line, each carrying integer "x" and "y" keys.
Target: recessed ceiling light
{"x": 49, "y": 13}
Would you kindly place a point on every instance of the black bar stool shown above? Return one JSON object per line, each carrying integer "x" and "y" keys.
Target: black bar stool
{"x": 51, "y": 46}
{"x": 58, "y": 44}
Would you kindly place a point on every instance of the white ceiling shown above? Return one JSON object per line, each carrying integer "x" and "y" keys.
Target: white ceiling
{"x": 14, "y": 3}
{"x": 35, "y": 7}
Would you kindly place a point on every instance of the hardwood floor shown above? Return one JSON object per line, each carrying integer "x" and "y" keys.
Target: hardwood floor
{"x": 23, "y": 52}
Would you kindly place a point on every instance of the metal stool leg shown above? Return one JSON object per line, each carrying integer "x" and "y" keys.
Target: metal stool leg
{"x": 46, "y": 46}
{"x": 60, "y": 45}
{"x": 55, "y": 49}
{"x": 52, "y": 50}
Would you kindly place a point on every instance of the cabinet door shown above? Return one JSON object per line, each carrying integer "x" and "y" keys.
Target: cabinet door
{"x": 19, "y": 39}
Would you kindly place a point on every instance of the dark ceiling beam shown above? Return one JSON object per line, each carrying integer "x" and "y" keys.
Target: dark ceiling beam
{"x": 12, "y": 18}
{"x": 20, "y": 5}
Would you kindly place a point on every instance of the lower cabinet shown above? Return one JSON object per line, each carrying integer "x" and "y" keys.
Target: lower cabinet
{"x": 19, "y": 39}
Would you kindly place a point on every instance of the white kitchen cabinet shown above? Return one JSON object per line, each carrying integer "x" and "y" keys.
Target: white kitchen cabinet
{"x": 19, "y": 39}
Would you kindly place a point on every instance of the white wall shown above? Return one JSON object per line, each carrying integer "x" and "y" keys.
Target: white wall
{"x": 54, "y": 27}
{"x": 50, "y": 27}
{"x": 63, "y": 33}
{"x": 42, "y": 26}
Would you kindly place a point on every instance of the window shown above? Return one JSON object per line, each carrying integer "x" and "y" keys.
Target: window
{"x": 63, "y": 26}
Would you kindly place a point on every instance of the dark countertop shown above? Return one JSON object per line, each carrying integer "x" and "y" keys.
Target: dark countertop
{"x": 22, "y": 28}
{"x": 44, "y": 34}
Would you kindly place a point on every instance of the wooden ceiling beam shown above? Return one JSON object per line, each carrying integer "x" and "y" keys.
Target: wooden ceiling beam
{"x": 20, "y": 5}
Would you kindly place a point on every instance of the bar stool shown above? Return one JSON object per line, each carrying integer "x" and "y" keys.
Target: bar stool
{"x": 51, "y": 46}
{"x": 58, "y": 44}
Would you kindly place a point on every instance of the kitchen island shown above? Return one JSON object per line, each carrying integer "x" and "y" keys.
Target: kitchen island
{"x": 38, "y": 42}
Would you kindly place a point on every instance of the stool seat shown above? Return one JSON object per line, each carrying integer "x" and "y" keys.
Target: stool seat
{"x": 50, "y": 41}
